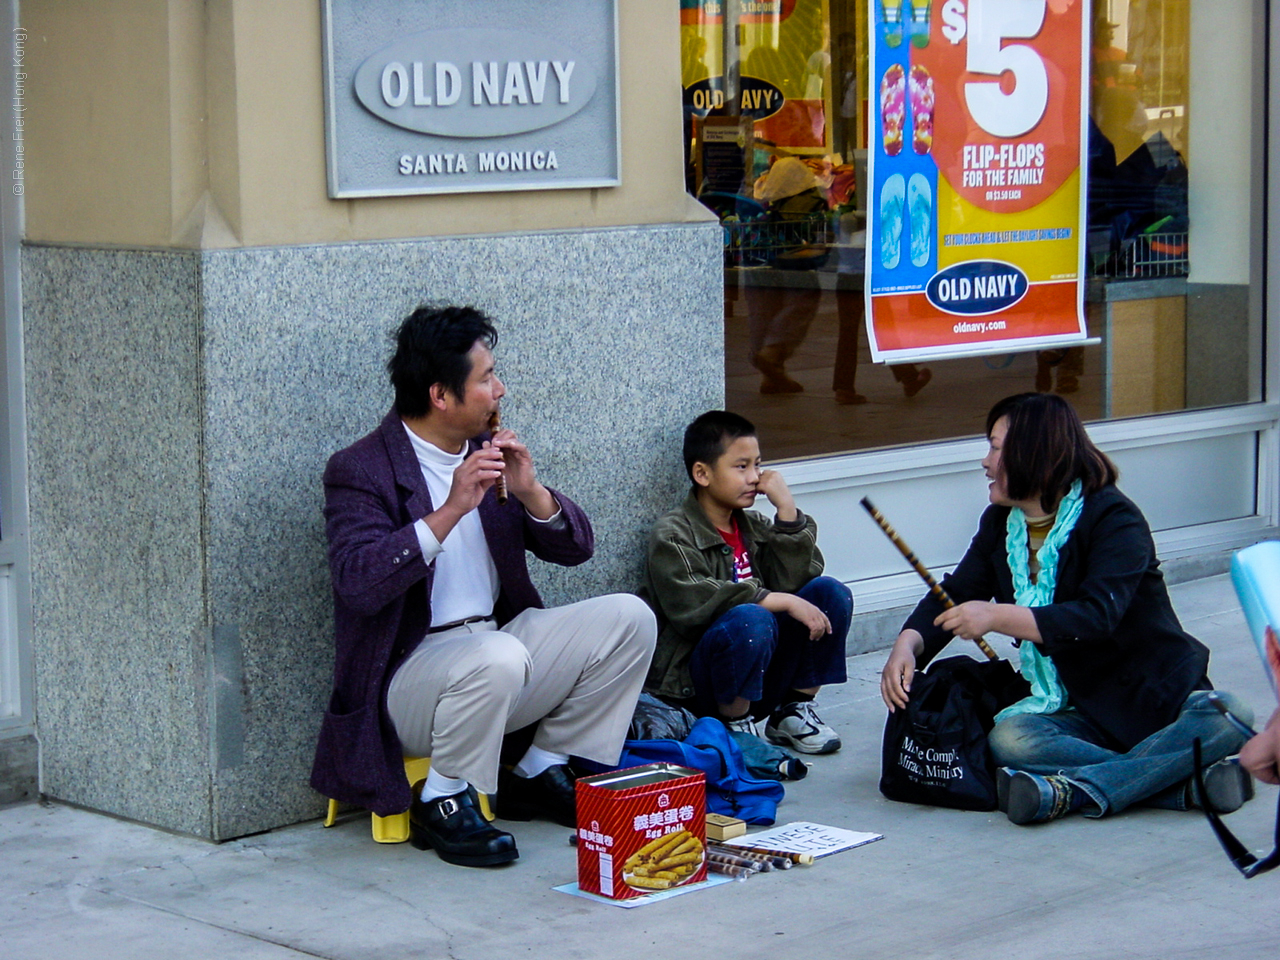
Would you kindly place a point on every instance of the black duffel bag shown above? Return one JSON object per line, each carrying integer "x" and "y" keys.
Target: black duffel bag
{"x": 935, "y": 750}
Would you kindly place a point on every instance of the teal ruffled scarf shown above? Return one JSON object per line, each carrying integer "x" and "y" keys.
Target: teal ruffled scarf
{"x": 1047, "y": 692}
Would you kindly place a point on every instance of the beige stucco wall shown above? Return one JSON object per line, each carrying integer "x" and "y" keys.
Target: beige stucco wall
{"x": 177, "y": 123}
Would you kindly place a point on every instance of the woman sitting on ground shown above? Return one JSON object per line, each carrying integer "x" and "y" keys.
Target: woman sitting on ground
{"x": 1065, "y": 563}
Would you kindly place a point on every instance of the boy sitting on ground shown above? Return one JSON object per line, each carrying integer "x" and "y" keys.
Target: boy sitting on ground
{"x": 749, "y": 627}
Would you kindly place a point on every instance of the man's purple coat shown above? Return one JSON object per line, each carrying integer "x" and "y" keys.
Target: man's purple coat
{"x": 374, "y": 491}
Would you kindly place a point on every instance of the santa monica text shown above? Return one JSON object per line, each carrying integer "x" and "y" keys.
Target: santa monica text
{"x": 486, "y": 161}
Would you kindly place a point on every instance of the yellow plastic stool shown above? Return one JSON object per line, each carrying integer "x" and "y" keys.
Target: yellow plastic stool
{"x": 395, "y": 828}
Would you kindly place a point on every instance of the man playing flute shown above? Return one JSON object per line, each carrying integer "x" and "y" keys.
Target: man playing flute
{"x": 443, "y": 645}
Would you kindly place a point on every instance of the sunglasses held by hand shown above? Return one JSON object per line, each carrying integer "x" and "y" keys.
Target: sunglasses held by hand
{"x": 1241, "y": 857}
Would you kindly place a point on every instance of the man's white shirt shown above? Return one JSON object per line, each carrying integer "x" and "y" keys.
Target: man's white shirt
{"x": 466, "y": 580}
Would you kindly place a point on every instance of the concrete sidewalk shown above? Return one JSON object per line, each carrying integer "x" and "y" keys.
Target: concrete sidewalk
{"x": 941, "y": 884}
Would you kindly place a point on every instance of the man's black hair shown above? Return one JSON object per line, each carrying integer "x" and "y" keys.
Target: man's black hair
{"x": 431, "y": 347}
{"x": 707, "y": 438}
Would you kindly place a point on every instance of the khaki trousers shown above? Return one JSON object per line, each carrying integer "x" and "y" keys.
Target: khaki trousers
{"x": 578, "y": 669}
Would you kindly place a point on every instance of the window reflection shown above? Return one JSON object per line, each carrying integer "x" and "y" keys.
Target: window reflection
{"x": 1138, "y": 211}
{"x": 776, "y": 115}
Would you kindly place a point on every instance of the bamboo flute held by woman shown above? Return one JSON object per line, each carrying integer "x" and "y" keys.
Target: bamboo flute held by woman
{"x": 920, "y": 568}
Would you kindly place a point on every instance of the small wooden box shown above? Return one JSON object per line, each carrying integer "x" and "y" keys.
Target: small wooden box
{"x": 721, "y": 828}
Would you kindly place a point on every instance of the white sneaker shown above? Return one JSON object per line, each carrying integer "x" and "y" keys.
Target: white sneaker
{"x": 797, "y": 725}
{"x": 743, "y": 724}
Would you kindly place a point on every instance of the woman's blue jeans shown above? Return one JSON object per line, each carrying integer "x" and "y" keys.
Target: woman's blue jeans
{"x": 761, "y": 656}
{"x": 1153, "y": 773}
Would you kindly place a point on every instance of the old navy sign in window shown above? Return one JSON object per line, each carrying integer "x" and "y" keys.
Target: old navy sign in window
{"x": 463, "y": 97}
{"x": 975, "y": 207}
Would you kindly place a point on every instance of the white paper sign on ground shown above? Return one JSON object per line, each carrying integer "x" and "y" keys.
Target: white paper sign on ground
{"x": 804, "y": 837}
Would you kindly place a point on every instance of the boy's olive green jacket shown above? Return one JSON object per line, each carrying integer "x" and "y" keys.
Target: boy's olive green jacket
{"x": 689, "y": 579}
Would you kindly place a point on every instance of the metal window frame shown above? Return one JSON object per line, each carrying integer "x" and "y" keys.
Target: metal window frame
{"x": 17, "y": 672}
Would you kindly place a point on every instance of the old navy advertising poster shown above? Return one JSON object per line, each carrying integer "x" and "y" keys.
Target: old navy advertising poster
{"x": 975, "y": 213}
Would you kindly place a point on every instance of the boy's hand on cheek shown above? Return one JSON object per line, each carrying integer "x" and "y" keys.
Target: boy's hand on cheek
{"x": 775, "y": 488}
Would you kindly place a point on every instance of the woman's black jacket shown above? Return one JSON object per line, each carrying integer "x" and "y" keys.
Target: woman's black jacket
{"x": 1111, "y": 631}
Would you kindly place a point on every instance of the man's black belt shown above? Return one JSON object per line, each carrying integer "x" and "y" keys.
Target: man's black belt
{"x": 458, "y": 623}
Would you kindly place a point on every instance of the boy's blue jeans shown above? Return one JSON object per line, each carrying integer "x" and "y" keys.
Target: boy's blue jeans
{"x": 760, "y": 656}
{"x": 1154, "y": 772}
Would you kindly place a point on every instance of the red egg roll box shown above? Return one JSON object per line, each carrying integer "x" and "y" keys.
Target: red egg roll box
{"x": 628, "y": 816}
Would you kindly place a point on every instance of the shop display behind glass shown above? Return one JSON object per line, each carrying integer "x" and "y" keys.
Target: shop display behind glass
{"x": 1173, "y": 231}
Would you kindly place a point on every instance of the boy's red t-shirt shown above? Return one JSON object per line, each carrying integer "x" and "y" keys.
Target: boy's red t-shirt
{"x": 741, "y": 559}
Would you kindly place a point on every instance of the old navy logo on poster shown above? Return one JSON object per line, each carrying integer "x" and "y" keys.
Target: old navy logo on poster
{"x": 976, "y": 288}
{"x": 474, "y": 83}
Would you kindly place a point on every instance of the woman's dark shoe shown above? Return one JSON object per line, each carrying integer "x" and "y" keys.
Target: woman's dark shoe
{"x": 456, "y": 830}
{"x": 1003, "y": 776}
{"x": 548, "y": 796}
{"x": 1227, "y": 785}
{"x": 1036, "y": 799}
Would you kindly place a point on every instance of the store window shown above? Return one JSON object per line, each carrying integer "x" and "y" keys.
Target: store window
{"x": 777, "y": 126}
